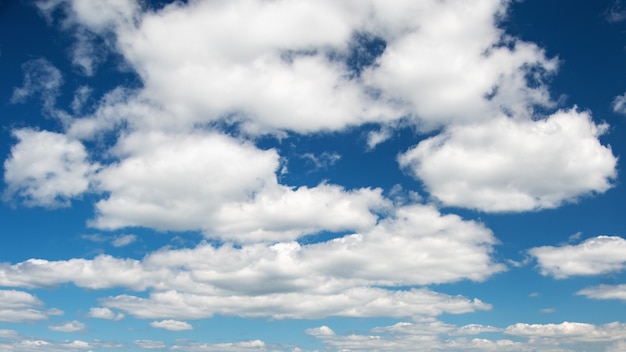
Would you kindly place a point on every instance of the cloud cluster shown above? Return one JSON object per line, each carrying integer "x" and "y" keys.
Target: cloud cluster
{"x": 417, "y": 246}
{"x": 430, "y": 335}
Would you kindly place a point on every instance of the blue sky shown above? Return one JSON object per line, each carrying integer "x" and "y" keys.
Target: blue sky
{"x": 302, "y": 175}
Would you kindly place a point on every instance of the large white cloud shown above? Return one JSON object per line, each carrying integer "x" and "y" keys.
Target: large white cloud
{"x": 223, "y": 186}
{"x": 515, "y": 165}
{"x": 282, "y": 65}
{"x": 594, "y": 256}
{"x": 46, "y": 169}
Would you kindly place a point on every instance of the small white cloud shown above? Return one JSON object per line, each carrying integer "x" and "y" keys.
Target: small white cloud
{"x": 594, "y": 256}
{"x": 605, "y": 292}
{"x": 320, "y": 331}
{"x": 70, "y": 326}
{"x": 54, "y": 311}
{"x": 104, "y": 313}
{"x": 8, "y": 334}
{"x": 123, "y": 240}
{"x": 42, "y": 78}
{"x": 46, "y": 169}
{"x": 619, "y": 104}
{"x": 547, "y": 310}
{"x": 172, "y": 325}
{"x": 149, "y": 344}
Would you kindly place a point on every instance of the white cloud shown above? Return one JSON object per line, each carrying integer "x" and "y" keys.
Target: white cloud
{"x": 104, "y": 313}
{"x": 8, "y": 334}
{"x": 433, "y": 335}
{"x": 40, "y": 78}
{"x": 515, "y": 165}
{"x": 352, "y": 302}
{"x": 149, "y": 344}
{"x": 605, "y": 292}
{"x": 19, "y": 306}
{"x": 243, "y": 346}
{"x": 571, "y": 331}
{"x": 46, "y": 169}
{"x": 415, "y": 246}
{"x": 277, "y": 66}
{"x": 320, "y": 331}
{"x": 123, "y": 240}
{"x": 172, "y": 325}
{"x": 223, "y": 186}
{"x": 70, "y": 326}
{"x": 619, "y": 104}
{"x": 594, "y": 256}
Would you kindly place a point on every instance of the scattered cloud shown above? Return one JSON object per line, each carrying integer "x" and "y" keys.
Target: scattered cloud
{"x": 594, "y": 256}
{"x": 70, "y": 326}
{"x": 172, "y": 325}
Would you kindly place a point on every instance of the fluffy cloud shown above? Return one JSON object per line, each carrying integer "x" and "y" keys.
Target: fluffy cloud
{"x": 605, "y": 292}
{"x": 46, "y": 169}
{"x": 70, "y": 326}
{"x": 104, "y": 313}
{"x": 18, "y": 306}
{"x": 298, "y": 66}
{"x": 172, "y": 325}
{"x": 221, "y": 185}
{"x": 515, "y": 165}
{"x": 594, "y": 256}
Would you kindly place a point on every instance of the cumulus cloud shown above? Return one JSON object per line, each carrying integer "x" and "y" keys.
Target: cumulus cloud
{"x": 172, "y": 325}
{"x": 19, "y": 306}
{"x": 515, "y": 165}
{"x": 70, "y": 326}
{"x": 104, "y": 313}
{"x": 46, "y": 169}
{"x": 300, "y": 66}
{"x": 594, "y": 256}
